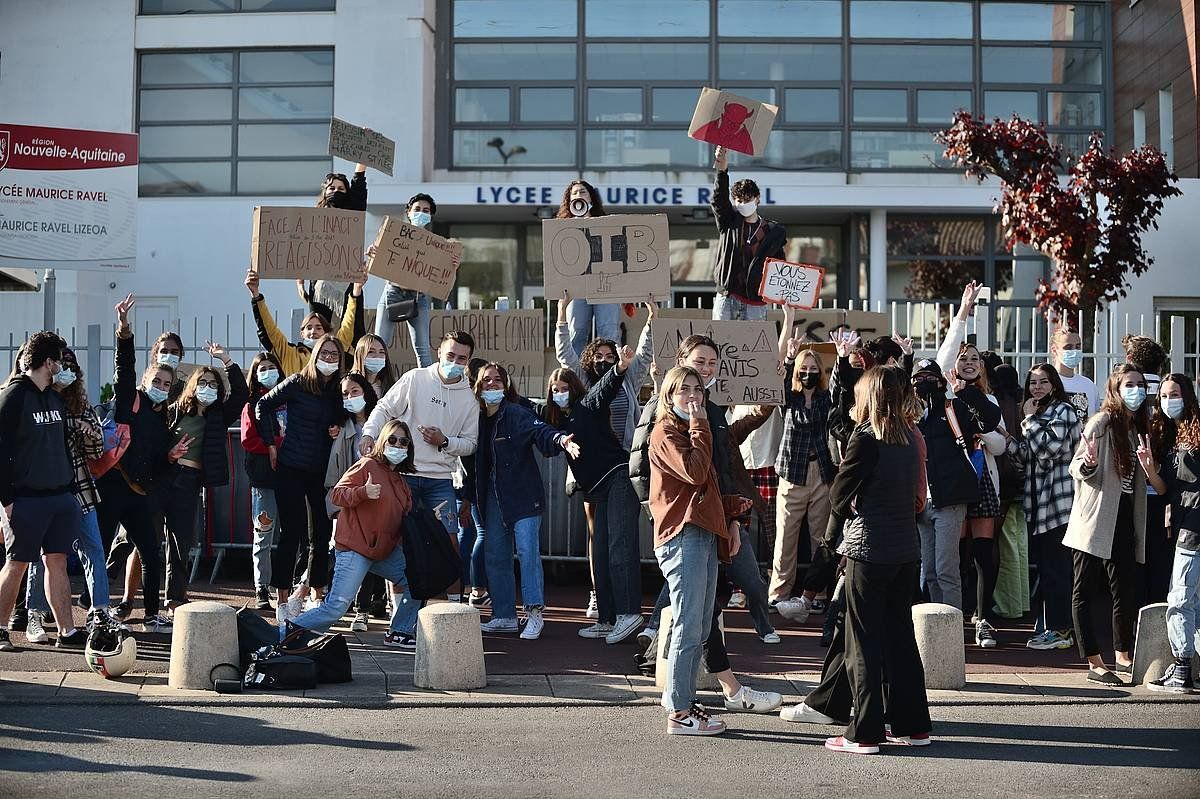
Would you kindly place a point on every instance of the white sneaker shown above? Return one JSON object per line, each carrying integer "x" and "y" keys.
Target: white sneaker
{"x": 593, "y": 610}
{"x": 359, "y": 625}
{"x": 737, "y": 601}
{"x": 647, "y": 637}
{"x": 295, "y": 606}
{"x": 35, "y": 632}
{"x": 597, "y": 630}
{"x": 626, "y": 626}
{"x": 499, "y": 626}
{"x": 771, "y": 638}
{"x": 805, "y": 714}
{"x": 749, "y": 700}
{"x": 795, "y": 609}
{"x": 533, "y": 624}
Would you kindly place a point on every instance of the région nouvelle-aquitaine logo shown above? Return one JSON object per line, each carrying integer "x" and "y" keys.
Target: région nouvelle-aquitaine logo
{"x": 5, "y": 147}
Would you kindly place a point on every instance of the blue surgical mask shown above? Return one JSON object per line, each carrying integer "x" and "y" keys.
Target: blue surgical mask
{"x": 561, "y": 398}
{"x": 268, "y": 377}
{"x": 156, "y": 395}
{"x": 1133, "y": 397}
{"x": 168, "y": 359}
{"x": 64, "y": 378}
{"x": 1172, "y": 406}
{"x": 374, "y": 365}
{"x": 326, "y": 368}
{"x": 682, "y": 414}
{"x": 492, "y": 396}
{"x": 1072, "y": 358}
{"x": 451, "y": 370}
{"x": 395, "y": 455}
{"x": 309, "y": 342}
{"x": 420, "y": 218}
{"x": 354, "y": 404}
{"x": 206, "y": 395}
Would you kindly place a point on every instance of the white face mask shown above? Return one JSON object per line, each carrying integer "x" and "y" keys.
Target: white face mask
{"x": 168, "y": 359}
{"x": 712, "y": 381}
{"x": 64, "y": 378}
{"x": 309, "y": 342}
{"x": 374, "y": 365}
{"x": 326, "y": 368}
{"x": 747, "y": 209}
{"x": 561, "y": 398}
{"x": 268, "y": 377}
{"x": 395, "y": 455}
{"x": 1172, "y": 406}
{"x": 206, "y": 395}
{"x": 354, "y": 404}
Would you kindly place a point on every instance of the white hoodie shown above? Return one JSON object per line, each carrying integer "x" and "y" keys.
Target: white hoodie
{"x": 420, "y": 399}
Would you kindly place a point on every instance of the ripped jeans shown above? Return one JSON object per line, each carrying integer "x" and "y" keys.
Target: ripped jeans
{"x": 265, "y": 516}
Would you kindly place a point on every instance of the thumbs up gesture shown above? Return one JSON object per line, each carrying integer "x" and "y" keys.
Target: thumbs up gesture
{"x": 373, "y": 489}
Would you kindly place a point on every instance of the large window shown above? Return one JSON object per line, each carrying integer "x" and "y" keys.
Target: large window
{"x": 860, "y": 84}
{"x": 234, "y": 122}
{"x": 229, "y": 6}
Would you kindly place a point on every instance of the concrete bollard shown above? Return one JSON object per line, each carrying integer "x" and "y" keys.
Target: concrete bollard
{"x": 204, "y": 637}
{"x": 705, "y": 681}
{"x": 449, "y": 648}
{"x": 939, "y": 632}
{"x": 1151, "y": 649}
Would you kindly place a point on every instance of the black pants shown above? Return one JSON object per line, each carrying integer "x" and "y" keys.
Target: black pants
{"x": 716, "y": 658}
{"x": 1054, "y": 579}
{"x": 120, "y": 505}
{"x": 1116, "y": 574}
{"x": 1160, "y": 554}
{"x": 302, "y": 517}
{"x": 372, "y": 589}
{"x": 833, "y": 696}
{"x": 880, "y": 641}
{"x": 180, "y": 501}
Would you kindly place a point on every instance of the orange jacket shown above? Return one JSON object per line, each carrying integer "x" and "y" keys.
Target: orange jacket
{"x": 370, "y": 527}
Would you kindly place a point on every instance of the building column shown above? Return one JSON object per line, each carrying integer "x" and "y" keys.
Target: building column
{"x": 878, "y": 253}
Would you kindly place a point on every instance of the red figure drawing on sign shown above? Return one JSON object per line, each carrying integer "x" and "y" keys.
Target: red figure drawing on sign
{"x": 729, "y": 129}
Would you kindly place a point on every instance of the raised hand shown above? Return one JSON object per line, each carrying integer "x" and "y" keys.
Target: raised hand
{"x": 373, "y": 489}
{"x": 180, "y": 449}
{"x": 562, "y": 307}
{"x": 123, "y": 307}
{"x": 1031, "y": 407}
{"x": 793, "y": 347}
{"x": 906, "y": 344}
{"x": 217, "y": 351}
{"x": 569, "y": 446}
{"x": 969, "y": 295}
{"x": 957, "y": 384}
{"x": 845, "y": 341}
{"x": 1145, "y": 455}
{"x": 720, "y": 159}
{"x": 252, "y": 283}
{"x": 372, "y": 250}
{"x": 651, "y": 308}
{"x": 625, "y": 357}
{"x": 697, "y": 411}
{"x": 1090, "y": 450}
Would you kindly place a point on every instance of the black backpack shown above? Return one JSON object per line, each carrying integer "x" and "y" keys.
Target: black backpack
{"x": 431, "y": 559}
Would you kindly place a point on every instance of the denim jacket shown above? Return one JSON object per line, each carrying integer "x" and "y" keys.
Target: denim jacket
{"x": 506, "y": 455}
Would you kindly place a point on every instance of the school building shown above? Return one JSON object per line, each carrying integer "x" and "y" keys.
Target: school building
{"x": 496, "y": 104}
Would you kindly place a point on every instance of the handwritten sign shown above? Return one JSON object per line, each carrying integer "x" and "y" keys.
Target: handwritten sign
{"x": 815, "y": 326}
{"x": 361, "y": 145}
{"x": 797, "y": 285}
{"x": 298, "y": 243}
{"x": 749, "y": 357}
{"x": 737, "y": 123}
{"x": 514, "y": 339}
{"x": 414, "y": 258}
{"x": 617, "y": 258}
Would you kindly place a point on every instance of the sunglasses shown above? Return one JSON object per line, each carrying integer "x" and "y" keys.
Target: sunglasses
{"x": 332, "y": 176}
{"x": 397, "y": 441}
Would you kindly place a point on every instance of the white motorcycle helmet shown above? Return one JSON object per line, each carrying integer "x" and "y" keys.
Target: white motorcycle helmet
{"x": 111, "y": 651}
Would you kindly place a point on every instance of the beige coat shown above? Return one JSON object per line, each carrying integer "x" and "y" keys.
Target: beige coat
{"x": 1098, "y": 496}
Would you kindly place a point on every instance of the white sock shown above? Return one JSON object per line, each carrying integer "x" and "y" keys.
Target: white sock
{"x": 454, "y": 597}
{"x": 68, "y": 633}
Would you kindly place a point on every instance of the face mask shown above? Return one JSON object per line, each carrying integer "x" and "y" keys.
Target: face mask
{"x": 168, "y": 359}
{"x": 1133, "y": 397}
{"x": 492, "y": 396}
{"x": 268, "y": 377}
{"x": 156, "y": 395}
{"x": 809, "y": 379}
{"x": 561, "y": 398}
{"x": 395, "y": 455}
{"x": 925, "y": 389}
{"x": 420, "y": 218}
{"x": 375, "y": 365}
{"x": 580, "y": 207}
{"x": 354, "y": 404}
{"x": 747, "y": 209}
{"x": 326, "y": 368}
{"x": 206, "y": 395}
{"x": 66, "y": 377}
{"x": 450, "y": 370}
{"x": 1072, "y": 358}
{"x": 684, "y": 415}
{"x": 602, "y": 367}
{"x": 1172, "y": 406}
{"x": 311, "y": 343}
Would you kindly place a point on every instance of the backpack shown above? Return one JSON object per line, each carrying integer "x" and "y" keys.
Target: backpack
{"x": 431, "y": 559}
{"x": 116, "y": 436}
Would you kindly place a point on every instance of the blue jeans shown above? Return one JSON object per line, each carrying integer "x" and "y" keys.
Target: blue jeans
{"x": 264, "y": 518}
{"x": 727, "y": 307}
{"x": 433, "y": 492}
{"x": 418, "y": 328}
{"x": 470, "y": 549}
{"x": 91, "y": 554}
{"x": 689, "y": 562}
{"x": 580, "y": 317}
{"x": 498, "y": 549}
{"x": 616, "y": 551}
{"x": 349, "y": 570}
{"x": 1183, "y": 604}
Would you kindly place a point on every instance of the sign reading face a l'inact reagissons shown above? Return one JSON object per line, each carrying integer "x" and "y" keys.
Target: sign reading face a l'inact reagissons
{"x": 68, "y": 198}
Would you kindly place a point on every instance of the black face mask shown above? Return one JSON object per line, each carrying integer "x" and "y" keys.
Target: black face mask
{"x": 926, "y": 389}
{"x": 336, "y": 200}
{"x": 809, "y": 379}
{"x": 601, "y": 368}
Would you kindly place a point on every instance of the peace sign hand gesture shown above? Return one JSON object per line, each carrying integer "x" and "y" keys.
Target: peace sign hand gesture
{"x": 123, "y": 308}
{"x": 1090, "y": 451}
{"x": 1145, "y": 455}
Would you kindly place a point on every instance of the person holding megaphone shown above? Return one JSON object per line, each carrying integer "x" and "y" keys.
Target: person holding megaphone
{"x": 580, "y": 199}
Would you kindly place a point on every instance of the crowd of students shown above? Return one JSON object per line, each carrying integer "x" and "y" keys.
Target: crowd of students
{"x": 939, "y": 479}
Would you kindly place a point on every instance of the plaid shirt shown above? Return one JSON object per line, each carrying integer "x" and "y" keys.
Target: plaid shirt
{"x": 87, "y": 443}
{"x": 805, "y": 431}
{"x": 1050, "y": 440}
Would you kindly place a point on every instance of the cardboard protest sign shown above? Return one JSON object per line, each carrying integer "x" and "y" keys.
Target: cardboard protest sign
{"x": 415, "y": 258}
{"x": 797, "y": 285}
{"x": 748, "y": 370}
{"x": 514, "y": 339}
{"x": 616, "y": 258}
{"x": 361, "y": 145}
{"x": 299, "y": 243}
{"x": 400, "y": 353}
{"x": 868, "y": 324}
{"x": 737, "y": 123}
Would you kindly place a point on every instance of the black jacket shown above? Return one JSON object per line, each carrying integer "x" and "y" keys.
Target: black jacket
{"x": 1182, "y": 475}
{"x": 731, "y": 272}
{"x": 881, "y": 480}
{"x": 145, "y": 461}
{"x": 309, "y": 416}
{"x": 35, "y": 456}
{"x": 218, "y": 418}
{"x": 600, "y": 453}
{"x": 952, "y": 478}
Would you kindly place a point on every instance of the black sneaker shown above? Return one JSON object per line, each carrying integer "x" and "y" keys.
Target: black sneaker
{"x": 262, "y": 599}
{"x": 76, "y": 640}
{"x": 85, "y": 600}
{"x": 121, "y": 610}
{"x": 20, "y": 618}
{"x": 6, "y": 644}
{"x": 402, "y": 641}
{"x": 1177, "y": 680}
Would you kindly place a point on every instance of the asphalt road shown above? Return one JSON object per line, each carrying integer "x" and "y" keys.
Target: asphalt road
{"x": 1118, "y": 750}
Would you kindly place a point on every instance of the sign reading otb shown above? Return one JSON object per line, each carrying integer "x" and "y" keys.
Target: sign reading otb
{"x": 797, "y": 285}
{"x": 413, "y": 258}
{"x": 617, "y": 258}
{"x": 297, "y": 243}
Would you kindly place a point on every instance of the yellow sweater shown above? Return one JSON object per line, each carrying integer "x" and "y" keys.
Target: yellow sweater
{"x": 293, "y": 357}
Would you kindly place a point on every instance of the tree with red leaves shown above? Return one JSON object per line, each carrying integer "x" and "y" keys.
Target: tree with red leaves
{"x": 1089, "y": 223}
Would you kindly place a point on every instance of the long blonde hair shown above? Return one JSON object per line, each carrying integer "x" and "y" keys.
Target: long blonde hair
{"x": 884, "y": 400}
{"x": 815, "y": 357}
{"x": 671, "y": 383}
